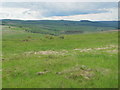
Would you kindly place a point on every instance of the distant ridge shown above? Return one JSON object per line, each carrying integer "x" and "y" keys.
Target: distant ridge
{"x": 85, "y": 21}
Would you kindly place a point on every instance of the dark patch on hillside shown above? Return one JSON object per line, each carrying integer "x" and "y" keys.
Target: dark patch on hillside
{"x": 73, "y": 32}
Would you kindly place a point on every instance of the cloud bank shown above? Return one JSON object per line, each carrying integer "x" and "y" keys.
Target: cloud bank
{"x": 60, "y": 11}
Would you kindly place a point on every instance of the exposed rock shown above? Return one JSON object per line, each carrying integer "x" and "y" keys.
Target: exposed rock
{"x": 42, "y": 73}
{"x": 59, "y": 73}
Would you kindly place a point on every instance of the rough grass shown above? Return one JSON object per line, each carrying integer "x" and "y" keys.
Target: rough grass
{"x": 77, "y": 61}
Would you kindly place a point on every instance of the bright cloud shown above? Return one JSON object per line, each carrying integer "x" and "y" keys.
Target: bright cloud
{"x": 18, "y": 13}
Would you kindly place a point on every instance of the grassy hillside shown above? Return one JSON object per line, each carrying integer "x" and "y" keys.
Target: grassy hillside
{"x": 33, "y": 60}
{"x": 56, "y": 27}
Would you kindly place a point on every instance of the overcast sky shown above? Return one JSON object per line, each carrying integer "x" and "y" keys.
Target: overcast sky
{"x": 95, "y": 11}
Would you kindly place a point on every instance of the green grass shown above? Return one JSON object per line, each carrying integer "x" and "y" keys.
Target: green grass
{"x": 86, "y": 69}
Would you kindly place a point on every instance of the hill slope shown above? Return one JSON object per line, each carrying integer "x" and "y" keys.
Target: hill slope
{"x": 56, "y": 27}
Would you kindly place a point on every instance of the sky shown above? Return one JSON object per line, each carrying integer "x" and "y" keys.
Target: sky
{"x": 76, "y": 11}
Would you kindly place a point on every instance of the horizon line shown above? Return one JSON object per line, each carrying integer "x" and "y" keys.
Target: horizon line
{"x": 57, "y": 20}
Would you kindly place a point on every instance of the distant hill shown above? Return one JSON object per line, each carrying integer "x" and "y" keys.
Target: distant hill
{"x": 56, "y": 27}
